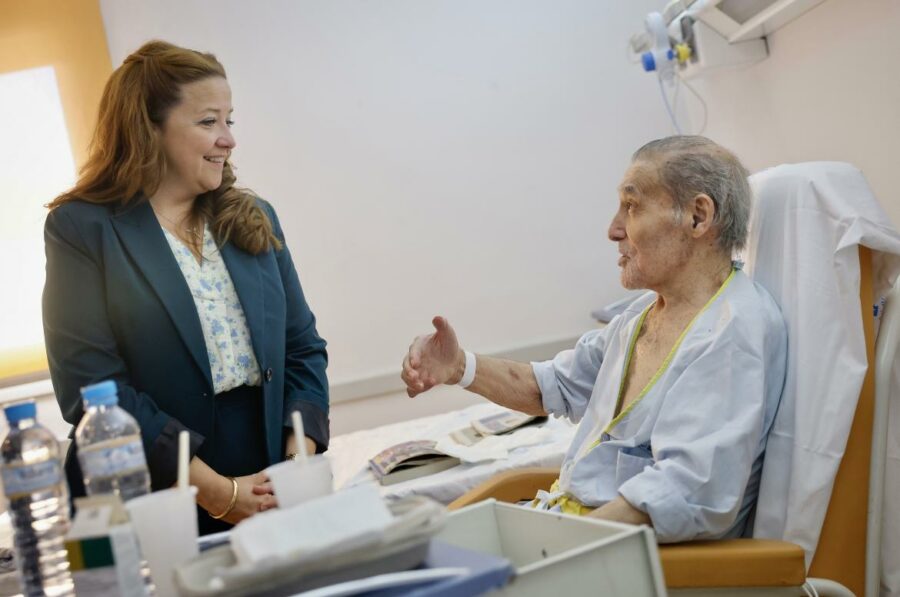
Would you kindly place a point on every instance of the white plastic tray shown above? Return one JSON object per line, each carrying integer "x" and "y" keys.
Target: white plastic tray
{"x": 559, "y": 554}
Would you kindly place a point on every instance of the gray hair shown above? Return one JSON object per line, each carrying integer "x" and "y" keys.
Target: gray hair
{"x": 691, "y": 165}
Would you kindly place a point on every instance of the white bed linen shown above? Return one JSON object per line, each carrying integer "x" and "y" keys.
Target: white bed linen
{"x": 350, "y": 453}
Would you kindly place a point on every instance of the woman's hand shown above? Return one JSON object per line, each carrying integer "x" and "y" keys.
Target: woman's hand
{"x": 433, "y": 359}
{"x": 254, "y": 494}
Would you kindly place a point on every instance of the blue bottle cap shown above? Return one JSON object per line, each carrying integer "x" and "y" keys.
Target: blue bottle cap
{"x": 105, "y": 393}
{"x": 17, "y": 412}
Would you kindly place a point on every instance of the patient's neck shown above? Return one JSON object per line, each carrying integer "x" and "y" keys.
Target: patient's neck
{"x": 689, "y": 289}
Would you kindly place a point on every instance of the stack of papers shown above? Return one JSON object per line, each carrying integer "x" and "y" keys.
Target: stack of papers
{"x": 337, "y": 522}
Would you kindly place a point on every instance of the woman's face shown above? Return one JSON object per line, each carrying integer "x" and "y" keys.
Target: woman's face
{"x": 196, "y": 137}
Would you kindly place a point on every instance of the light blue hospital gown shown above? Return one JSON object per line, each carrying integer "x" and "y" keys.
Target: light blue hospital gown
{"x": 225, "y": 331}
{"x": 689, "y": 452}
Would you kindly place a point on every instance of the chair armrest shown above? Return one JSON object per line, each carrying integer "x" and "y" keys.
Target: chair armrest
{"x": 733, "y": 563}
{"x": 512, "y": 486}
{"x": 724, "y": 563}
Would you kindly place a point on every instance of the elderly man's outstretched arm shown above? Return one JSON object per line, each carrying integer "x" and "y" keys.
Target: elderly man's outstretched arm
{"x": 436, "y": 359}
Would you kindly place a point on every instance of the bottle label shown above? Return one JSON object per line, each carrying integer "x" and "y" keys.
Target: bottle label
{"x": 112, "y": 457}
{"x": 29, "y": 478}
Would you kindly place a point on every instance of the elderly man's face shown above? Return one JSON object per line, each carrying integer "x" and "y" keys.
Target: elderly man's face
{"x": 653, "y": 245}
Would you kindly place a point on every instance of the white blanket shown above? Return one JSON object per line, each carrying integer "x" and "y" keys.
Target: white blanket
{"x": 349, "y": 454}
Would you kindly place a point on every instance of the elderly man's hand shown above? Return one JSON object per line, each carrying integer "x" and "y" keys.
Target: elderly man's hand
{"x": 433, "y": 359}
{"x": 619, "y": 510}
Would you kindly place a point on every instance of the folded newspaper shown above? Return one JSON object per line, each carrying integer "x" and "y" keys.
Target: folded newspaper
{"x": 410, "y": 460}
{"x": 497, "y": 424}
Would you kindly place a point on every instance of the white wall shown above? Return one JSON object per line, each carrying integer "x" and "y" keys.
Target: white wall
{"x": 429, "y": 156}
{"x": 830, "y": 90}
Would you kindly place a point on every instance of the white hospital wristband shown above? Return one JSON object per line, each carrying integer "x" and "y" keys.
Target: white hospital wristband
{"x": 469, "y": 374}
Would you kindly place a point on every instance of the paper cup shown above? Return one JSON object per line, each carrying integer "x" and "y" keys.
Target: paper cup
{"x": 296, "y": 481}
{"x": 166, "y": 525}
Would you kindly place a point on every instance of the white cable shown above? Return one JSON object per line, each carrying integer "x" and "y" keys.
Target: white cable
{"x": 668, "y": 107}
{"x": 810, "y": 590}
{"x": 831, "y": 588}
{"x": 702, "y": 103}
{"x": 675, "y": 95}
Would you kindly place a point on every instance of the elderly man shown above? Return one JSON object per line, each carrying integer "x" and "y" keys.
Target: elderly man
{"x": 676, "y": 395}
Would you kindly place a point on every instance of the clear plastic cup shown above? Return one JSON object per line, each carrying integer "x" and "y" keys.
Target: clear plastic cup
{"x": 166, "y": 525}
{"x": 296, "y": 481}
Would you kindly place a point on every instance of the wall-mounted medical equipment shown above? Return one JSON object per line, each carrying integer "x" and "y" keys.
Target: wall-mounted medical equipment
{"x": 741, "y": 20}
{"x": 692, "y": 37}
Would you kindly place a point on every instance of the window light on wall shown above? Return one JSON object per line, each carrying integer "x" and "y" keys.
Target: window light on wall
{"x": 36, "y": 165}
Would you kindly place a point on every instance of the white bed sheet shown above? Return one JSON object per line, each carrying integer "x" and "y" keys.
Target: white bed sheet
{"x": 349, "y": 454}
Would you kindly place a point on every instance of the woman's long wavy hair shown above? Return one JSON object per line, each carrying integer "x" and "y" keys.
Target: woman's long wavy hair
{"x": 126, "y": 161}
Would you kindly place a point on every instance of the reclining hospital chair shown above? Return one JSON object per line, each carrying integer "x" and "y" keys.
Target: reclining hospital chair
{"x": 822, "y": 246}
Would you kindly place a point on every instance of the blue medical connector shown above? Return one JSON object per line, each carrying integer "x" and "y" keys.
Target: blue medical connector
{"x": 649, "y": 61}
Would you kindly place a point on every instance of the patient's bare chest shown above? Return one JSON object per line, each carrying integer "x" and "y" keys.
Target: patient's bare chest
{"x": 653, "y": 345}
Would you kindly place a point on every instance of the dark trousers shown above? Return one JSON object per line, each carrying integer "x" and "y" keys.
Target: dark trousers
{"x": 237, "y": 446}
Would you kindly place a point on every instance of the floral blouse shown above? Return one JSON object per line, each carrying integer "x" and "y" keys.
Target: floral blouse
{"x": 231, "y": 358}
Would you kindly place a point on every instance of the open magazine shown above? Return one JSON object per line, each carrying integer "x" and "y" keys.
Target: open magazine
{"x": 414, "y": 459}
{"x": 409, "y": 460}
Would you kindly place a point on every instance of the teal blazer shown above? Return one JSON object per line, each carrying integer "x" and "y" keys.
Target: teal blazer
{"x": 116, "y": 306}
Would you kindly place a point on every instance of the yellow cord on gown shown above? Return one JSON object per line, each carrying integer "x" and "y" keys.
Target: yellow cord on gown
{"x": 567, "y": 503}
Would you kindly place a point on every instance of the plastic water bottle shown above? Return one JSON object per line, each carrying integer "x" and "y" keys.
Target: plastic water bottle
{"x": 38, "y": 502}
{"x": 109, "y": 445}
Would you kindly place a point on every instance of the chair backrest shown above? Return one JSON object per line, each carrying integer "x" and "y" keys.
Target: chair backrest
{"x": 841, "y": 552}
{"x": 809, "y": 223}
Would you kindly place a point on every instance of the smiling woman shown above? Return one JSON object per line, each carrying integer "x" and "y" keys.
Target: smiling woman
{"x": 166, "y": 278}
